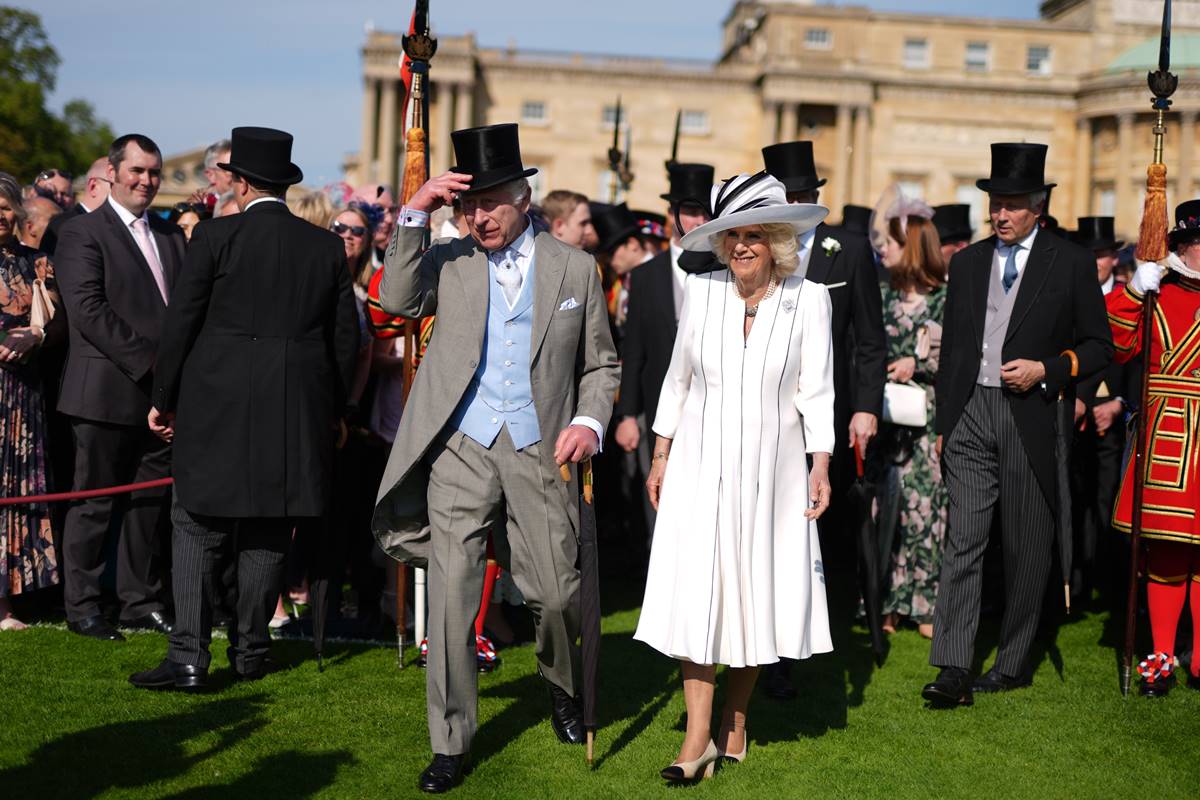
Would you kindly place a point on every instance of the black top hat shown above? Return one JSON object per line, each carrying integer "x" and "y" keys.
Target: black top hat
{"x": 1017, "y": 168}
{"x": 1096, "y": 233}
{"x": 792, "y": 163}
{"x": 856, "y": 219}
{"x": 614, "y": 225}
{"x": 1187, "y": 224}
{"x": 262, "y": 154}
{"x": 953, "y": 223}
{"x": 690, "y": 183}
{"x": 491, "y": 155}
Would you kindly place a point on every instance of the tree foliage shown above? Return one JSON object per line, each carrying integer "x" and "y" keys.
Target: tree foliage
{"x": 32, "y": 137}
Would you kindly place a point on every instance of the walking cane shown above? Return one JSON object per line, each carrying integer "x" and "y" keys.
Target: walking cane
{"x": 1151, "y": 246}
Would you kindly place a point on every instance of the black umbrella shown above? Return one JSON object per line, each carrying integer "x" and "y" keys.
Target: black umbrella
{"x": 861, "y": 494}
{"x": 1062, "y": 455}
{"x": 589, "y": 600}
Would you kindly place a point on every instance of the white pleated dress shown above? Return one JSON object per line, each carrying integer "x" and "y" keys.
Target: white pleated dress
{"x": 735, "y": 570}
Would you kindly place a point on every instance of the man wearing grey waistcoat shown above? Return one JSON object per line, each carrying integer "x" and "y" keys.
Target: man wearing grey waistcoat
{"x": 519, "y": 379}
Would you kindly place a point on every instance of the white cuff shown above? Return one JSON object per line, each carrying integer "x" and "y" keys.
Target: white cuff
{"x": 596, "y": 427}
{"x": 411, "y": 218}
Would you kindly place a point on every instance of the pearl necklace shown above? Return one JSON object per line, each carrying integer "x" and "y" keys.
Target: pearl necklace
{"x": 753, "y": 310}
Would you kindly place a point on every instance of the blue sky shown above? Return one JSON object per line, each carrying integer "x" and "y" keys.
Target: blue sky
{"x": 186, "y": 72}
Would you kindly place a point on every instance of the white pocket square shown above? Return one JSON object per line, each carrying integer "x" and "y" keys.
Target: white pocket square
{"x": 568, "y": 304}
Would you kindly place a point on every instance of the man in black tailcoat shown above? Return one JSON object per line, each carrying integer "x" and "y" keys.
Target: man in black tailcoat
{"x": 256, "y": 356}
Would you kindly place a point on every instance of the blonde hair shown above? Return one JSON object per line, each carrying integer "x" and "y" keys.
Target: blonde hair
{"x": 781, "y": 239}
{"x": 314, "y": 207}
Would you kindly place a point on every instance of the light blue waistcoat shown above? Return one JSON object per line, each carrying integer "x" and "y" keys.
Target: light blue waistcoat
{"x": 500, "y": 392}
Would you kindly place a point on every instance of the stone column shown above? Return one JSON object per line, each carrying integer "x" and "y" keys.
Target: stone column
{"x": 861, "y": 171}
{"x": 1187, "y": 143}
{"x": 1083, "y": 168}
{"x": 789, "y": 122}
{"x": 770, "y": 127}
{"x": 1127, "y": 214}
{"x": 367, "y": 155}
{"x": 840, "y": 180}
{"x": 464, "y": 113}
{"x": 440, "y": 162}
{"x": 387, "y": 132}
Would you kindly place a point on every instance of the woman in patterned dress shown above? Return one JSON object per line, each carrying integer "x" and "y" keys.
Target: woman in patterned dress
{"x": 27, "y": 557}
{"x": 912, "y": 311}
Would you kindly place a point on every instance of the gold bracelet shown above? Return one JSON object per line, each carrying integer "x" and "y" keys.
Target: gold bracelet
{"x": 657, "y": 456}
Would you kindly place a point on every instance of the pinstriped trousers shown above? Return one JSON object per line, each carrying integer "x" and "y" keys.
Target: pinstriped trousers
{"x": 260, "y": 548}
{"x": 984, "y": 464}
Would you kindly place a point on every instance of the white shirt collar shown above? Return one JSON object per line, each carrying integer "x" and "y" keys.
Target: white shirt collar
{"x": 1026, "y": 243}
{"x": 127, "y": 216}
{"x": 676, "y": 252}
{"x": 253, "y": 203}
{"x": 806, "y": 239}
{"x": 1108, "y": 285}
{"x": 522, "y": 245}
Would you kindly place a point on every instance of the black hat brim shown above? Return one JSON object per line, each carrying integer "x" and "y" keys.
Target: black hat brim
{"x": 1009, "y": 186}
{"x": 482, "y": 181}
{"x": 293, "y": 176}
{"x": 618, "y": 238}
{"x": 1182, "y": 235}
{"x": 1101, "y": 244}
{"x": 685, "y": 198}
{"x": 802, "y": 184}
{"x": 960, "y": 235}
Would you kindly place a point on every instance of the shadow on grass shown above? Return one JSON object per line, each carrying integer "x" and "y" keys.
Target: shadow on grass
{"x": 129, "y": 755}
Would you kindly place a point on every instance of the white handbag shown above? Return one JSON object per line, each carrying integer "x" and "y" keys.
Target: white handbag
{"x": 904, "y": 404}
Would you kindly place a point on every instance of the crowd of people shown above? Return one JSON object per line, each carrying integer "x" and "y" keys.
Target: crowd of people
{"x": 726, "y": 360}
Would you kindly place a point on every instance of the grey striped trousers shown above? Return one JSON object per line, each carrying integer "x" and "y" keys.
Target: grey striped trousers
{"x": 260, "y": 547}
{"x": 984, "y": 463}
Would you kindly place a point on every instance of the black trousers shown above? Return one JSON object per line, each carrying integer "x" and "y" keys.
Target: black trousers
{"x": 110, "y": 455}
{"x": 260, "y": 547}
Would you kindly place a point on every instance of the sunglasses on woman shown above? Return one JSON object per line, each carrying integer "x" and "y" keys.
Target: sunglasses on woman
{"x": 340, "y": 228}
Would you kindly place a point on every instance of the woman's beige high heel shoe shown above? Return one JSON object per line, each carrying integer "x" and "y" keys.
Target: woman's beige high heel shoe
{"x": 687, "y": 771}
{"x": 737, "y": 757}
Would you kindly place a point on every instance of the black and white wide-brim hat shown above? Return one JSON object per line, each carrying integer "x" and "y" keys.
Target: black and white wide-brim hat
{"x": 752, "y": 200}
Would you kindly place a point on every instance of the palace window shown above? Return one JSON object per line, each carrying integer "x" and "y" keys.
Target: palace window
{"x": 609, "y": 116}
{"x": 1037, "y": 60}
{"x": 533, "y": 112}
{"x": 694, "y": 123}
{"x": 979, "y": 56}
{"x": 818, "y": 39}
{"x": 916, "y": 53}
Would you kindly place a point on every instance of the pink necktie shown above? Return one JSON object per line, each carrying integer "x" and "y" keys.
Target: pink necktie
{"x": 142, "y": 234}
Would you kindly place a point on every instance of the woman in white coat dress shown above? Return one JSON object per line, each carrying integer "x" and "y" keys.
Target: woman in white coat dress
{"x": 735, "y": 570}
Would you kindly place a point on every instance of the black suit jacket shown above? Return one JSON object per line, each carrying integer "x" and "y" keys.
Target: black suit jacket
{"x": 1058, "y": 307}
{"x": 114, "y": 314}
{"x": 50, "y": 235}
{"x": 257, "y": 352}
{"x": 650, "y": 326}
{"x": 860, "y": 345}
{"x": 1122, "y": 380}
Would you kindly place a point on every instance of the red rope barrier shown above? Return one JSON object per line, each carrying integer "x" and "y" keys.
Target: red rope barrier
{"x": 85, "y": 494}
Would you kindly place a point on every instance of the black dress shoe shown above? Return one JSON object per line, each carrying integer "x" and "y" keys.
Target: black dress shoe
{"x": 170, "y": 675}
{"x": 777, "y": 681}
{"x": 952, "y": 688}
{"x": 565, "y": 717}
{"x": 154, "y": 621}
{"x": 443, "y": 773}
{"x": 1193, "y": 681}
{"x": 96, "y": 627}
{"x": 1158, "y": 688}
{"x": 995, "y": 681}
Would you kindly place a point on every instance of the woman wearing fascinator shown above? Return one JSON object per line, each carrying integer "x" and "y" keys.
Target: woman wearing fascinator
{"x": 913, "y": 498}
{"x": 735, "y": 570}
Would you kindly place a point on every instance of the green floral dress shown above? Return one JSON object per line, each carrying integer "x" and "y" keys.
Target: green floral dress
{"x": 912, "y": 485}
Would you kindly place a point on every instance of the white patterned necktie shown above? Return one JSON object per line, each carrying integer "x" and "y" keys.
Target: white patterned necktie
{"x": 141, "y": 234}
{"x": 509, "y": 277}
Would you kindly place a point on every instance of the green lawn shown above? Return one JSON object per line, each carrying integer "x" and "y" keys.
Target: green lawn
{"x": 73, "y": 727}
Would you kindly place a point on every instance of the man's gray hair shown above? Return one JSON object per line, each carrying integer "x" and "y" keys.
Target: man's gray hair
{"x": 1038, "y": 198}
{"x": 212, "y": 154}
{"x": 517, "y": 190}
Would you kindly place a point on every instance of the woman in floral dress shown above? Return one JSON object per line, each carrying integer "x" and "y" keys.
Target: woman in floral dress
{"x": 27, "y": 557}
{"x": 912, "y": 311}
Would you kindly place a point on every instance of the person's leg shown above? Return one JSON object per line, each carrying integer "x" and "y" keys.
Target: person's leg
{"x": 732, "y": 736}
{"x": 971, "y": 469}
{"x": 1194, "y": 602}
{"x": 139, "y": 568}
{"x": 196, "y": 546}
{"x": 463, "y": 501}
{"x": 699, "y": 682}
{"x": 1167, "y": 567}
{"x": 262, "y": 546}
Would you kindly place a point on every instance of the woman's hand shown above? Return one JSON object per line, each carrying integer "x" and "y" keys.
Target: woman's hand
{"x": 902, "y": 369}
{"x": 819, "y": 492}
{"x": 19, "y": 343}
{"x": 658, "y": 468}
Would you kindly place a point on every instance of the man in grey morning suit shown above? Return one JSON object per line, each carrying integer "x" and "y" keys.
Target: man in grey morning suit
{"x": 519, "y": 378}
{"x": 1024, "y": 320}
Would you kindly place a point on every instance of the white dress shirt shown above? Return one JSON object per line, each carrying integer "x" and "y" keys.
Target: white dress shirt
{"x": 804, "y": 243}
{"x": 253, "y": 203}
{"x": 678, "y": 278}
{"x": 520, "y": 252}
{"x": 1108, "y": 285}
{"x": 127, "y": 217}
{"x": 1026, "y": 244}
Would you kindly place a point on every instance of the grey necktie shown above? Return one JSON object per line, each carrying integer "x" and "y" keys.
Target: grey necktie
{"x": 508, "y": 276}
{"x": 1010, "y": 268}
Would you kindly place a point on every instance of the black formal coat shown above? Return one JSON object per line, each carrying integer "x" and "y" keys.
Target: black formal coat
{"x": 1058, "y": 307}
{"x": 114, "y": 313}
{"x": 1122, "y": 380}
{"x": 53, "y": 228}
{"x": 257, "y": 353}
{"x": 650, "y": 326}
{"x": 859, "y": 342}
